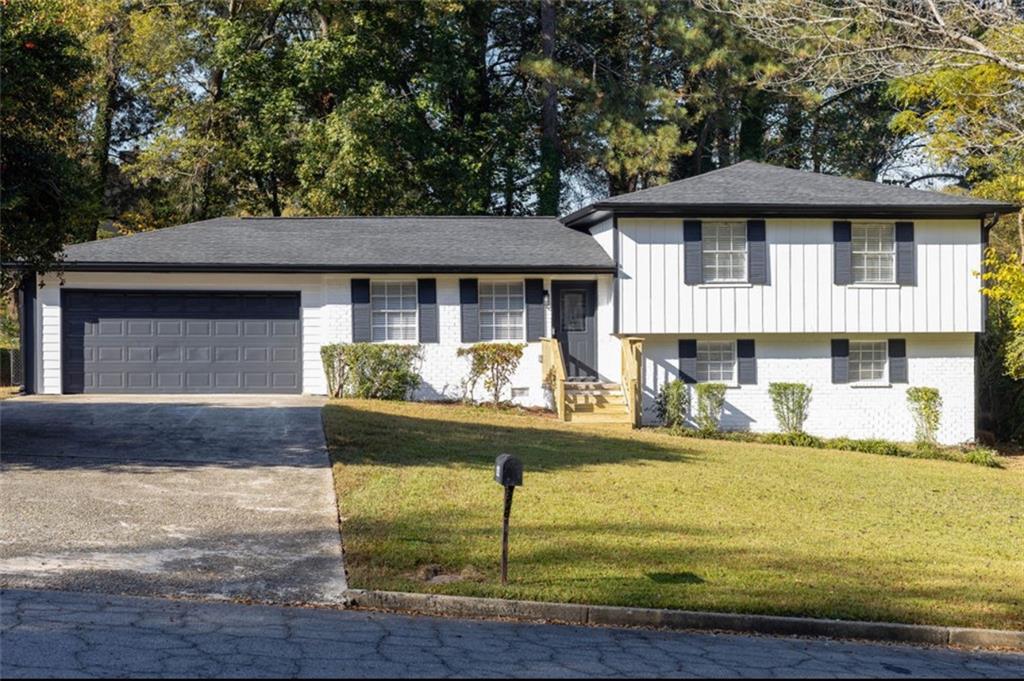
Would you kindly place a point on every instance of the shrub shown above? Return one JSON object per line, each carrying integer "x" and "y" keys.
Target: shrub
{"x": 673, "y": 403}
{"x": 793, "y": 439}
{"x": 926, "y": 407}
{"x": 710, "y": 401}
{"x": 981, "y": 456}
{"x": 883, "y": 447}
{"x": 371, "y": 370}
{"x": 790, "y": 402}
{"x": 495, "y": 363}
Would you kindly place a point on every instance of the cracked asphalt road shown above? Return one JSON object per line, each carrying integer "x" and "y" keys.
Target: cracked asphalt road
{"x": 48, "y": 634}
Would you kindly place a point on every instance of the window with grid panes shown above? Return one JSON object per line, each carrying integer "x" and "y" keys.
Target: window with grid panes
{"x": 724, "y": 251}
{"x": 873, "y": 250}
{"x": 502, "y": 311}
{"x": 716, "y": 361}
{"x": 867, "y": 361}
{"x": 393, "y": 310}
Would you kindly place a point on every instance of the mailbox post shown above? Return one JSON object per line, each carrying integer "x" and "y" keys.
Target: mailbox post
{"x": 508, "y": 472}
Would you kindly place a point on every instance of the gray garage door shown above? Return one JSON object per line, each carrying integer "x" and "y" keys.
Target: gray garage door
{"x": 181, "y": 342}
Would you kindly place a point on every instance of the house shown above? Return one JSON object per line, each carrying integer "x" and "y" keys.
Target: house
{"x": 747, "y": 275}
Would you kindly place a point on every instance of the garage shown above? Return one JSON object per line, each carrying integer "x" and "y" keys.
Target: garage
{"x": 180, "y": 342}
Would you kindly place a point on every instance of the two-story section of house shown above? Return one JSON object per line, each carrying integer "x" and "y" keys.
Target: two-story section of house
{"x": 745, "y": 276}
{"x": 755, "y": 274}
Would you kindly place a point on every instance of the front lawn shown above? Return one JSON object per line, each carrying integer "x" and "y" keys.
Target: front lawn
{"x": 608, "y": 515}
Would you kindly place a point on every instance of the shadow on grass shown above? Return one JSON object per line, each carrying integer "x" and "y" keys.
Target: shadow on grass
{"x": 447, "y": 435}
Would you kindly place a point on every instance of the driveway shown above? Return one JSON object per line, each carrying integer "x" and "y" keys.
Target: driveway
{"x": 225, "y": 497}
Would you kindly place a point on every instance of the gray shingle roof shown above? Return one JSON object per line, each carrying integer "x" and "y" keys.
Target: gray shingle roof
{"x": 356, "y": 244}
{"x": 772, "y": 190}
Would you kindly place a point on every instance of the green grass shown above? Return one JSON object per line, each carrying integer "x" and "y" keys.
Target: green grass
{"x": 642, "y": 518}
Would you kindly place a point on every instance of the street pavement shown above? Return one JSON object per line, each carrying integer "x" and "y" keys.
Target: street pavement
{"x": 55, "y": 633}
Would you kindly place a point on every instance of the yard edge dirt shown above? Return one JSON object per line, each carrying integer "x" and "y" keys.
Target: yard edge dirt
{"x": 657, "y": 618}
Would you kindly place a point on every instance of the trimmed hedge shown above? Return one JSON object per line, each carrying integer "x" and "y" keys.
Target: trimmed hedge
{"x": 977, "y": 455}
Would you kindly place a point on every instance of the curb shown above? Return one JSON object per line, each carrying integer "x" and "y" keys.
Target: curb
{"x": 605, "y": 615}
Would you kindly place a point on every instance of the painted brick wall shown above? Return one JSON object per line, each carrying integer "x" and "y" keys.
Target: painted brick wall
{"x": 943, "y": 361}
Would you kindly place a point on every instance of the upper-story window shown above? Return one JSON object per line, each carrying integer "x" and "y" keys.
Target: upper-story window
{"x": 724, "y": 251}
{"x": 873, "y": 251}
{"x": 868, "y": 360}
{"x": 502, "y": 311}
{"x": 716, "y": 361}
{"x": 393, "y": 308}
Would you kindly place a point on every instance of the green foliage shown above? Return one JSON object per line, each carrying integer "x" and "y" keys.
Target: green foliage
{"x": 926, "y": 408}
{"x": 790, "y": 402}
{"x": 868, "y": 446}
{"x": 792, "y": 439}
{"x": 380, "y": 371}
{"x": 495, "y": 363}
{"x": 1004, "y": 286}
{"x": 1000, "y": 396}
{"x": 673, "y": 403}
{"x": 710, "y": 402}
{"x": 46, "y": 192}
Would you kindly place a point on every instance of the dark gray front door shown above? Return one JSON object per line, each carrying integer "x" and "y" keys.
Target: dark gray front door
{"x": 180, "y": 342}
{"x": 575, "y": 303}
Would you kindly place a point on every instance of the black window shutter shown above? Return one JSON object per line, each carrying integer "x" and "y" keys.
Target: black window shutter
{"x": 534, "y": 309}
{"x": 470, "y": 307}
{"x": 693, "y": 253}
{"x": 757, "y": 252}
{"x": 426, "y": 296}
{"x": 905, "y": 266}
{"x": 897, "y": 360}
{"x": 842, "y": 234}
{"x": 746, "y": 362}
{"x": 688, "y": 360}
{"x": 361, "y": 310}
{"x": 840, "y": 360}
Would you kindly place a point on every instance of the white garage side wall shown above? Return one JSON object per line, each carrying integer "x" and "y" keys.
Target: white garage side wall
{"x": 318, "y": 301}
{"x": 943, "y": 361}
{"x": 800, "y": 295}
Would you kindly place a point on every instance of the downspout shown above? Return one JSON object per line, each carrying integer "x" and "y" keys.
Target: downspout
{"x": 27, "y": 304}
{"x": 615, "y": 279}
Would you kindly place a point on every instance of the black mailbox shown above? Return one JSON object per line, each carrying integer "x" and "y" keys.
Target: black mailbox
{"x": 508, "y": 471}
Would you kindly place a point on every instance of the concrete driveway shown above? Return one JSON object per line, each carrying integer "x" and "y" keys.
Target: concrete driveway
{"x": 200, "y": 496}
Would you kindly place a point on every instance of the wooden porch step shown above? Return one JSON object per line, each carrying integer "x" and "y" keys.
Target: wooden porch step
{"x": 577, "y": 386}
{"x": 597, "y": 417}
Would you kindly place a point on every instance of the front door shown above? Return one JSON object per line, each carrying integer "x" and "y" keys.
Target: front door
{"x": 573, "y": 317}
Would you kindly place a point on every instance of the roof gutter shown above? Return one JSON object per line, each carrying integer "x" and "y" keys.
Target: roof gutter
{"x": 70, "y": 266}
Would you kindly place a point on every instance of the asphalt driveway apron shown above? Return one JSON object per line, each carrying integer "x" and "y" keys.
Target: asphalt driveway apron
{"x": 195, "y": 496}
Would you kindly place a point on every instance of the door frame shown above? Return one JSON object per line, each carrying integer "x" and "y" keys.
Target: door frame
{"x": 557, "y": 286}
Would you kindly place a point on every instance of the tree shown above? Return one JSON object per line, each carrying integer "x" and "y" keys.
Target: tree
{"x": 46, "y": 190}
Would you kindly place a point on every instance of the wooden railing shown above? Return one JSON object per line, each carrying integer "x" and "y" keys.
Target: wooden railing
{"x": 553, "y": 371}
{"x": 632, "y": 371}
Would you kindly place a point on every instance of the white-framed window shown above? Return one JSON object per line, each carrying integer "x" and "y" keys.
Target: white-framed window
{"x": 502, "y": 311}
{"x": 393, "y": 310}
{"x": 724, "y": 251}
{"x": 716, "y": 361}
{"x": 868, "y": 361}
{"x": 873, "y": 251}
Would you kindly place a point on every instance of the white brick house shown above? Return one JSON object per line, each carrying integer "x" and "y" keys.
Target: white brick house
{"x": 746, "y": 276}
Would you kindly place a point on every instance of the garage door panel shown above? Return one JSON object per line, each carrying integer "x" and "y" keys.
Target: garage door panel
{"x": 148, "y": 341}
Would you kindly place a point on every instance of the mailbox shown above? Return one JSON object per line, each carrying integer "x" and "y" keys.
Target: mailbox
{"x": 508, "y": 471}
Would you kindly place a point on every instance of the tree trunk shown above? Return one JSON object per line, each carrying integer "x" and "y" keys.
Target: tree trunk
{"x": 549, "y": 181}
{"x": 752, "y": 128}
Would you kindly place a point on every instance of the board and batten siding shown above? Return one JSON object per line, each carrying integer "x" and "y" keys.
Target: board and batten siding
{"x": 800, "y": 296}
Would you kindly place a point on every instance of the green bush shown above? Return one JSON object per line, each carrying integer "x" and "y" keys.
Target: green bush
{"x": 380, "y": 371}
{"x": 495, "y": 363}
{"x": 673, "y": 403}
{"x": 790, "y": 402}
{"x": 869, "y": 446}
{"x": 710, "y": 401}
{"x": 981, "y": 456}
{"x": 792, "y": 439}
{"x": 926, "y": 408}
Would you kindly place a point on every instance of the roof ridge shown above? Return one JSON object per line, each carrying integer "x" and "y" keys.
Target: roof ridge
{"x": 394, "y": 217}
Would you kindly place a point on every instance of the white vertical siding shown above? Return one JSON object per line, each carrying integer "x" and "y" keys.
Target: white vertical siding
{"x": 800, "y": 296}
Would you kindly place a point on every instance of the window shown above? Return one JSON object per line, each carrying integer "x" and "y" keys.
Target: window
{"x": 725, "y": 251}
{"x": 716, "y": 361}
{"x": 867, "y": 361}
{"x": 874, "y": 253}
{"x": 502, "y": 311}
{"x": 393, "y": 308}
